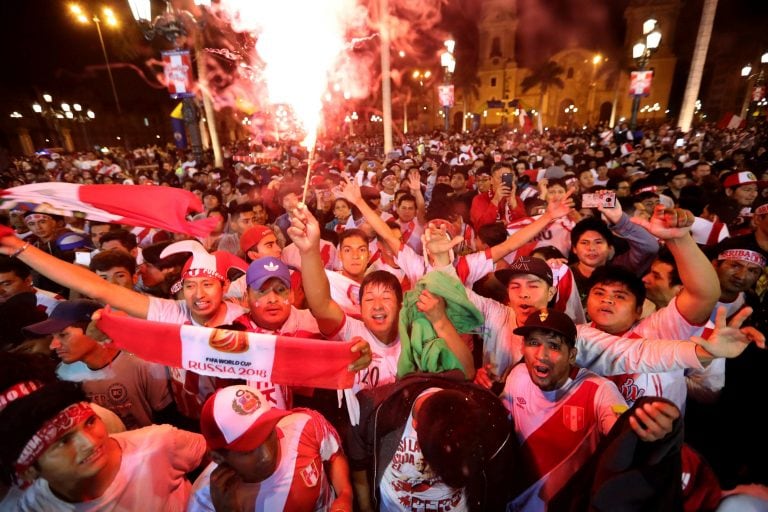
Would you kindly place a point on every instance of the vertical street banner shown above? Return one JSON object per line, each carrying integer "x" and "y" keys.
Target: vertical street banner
{"x": 445, "y": 95}
{"x": 177, "y": 125}
{"x": 758, "y": 93}
{"x": 177, "y": 65}
{"x": 640, "y": 83}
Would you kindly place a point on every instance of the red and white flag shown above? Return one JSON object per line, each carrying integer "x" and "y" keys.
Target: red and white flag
{"x": 136, "y": 205}
{"x": 234, "y": 354}
{"x": 526, "y": 125}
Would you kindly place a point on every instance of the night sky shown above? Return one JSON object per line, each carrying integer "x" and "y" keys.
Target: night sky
{"x": 44, "y": 49}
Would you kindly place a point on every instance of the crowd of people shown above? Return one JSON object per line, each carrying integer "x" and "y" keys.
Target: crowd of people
{"x": 556, "y": 321}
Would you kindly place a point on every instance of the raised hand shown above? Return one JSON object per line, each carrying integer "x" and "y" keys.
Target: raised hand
{"x": 304, "y": 229}
{"x": 414, "y": 181}
{"x": 351, "y": 191}
{"x": 437, "y": 241}
{"x": 562, "y": 207}
{"x": 730, "y": 340}
{"x": 433, "y": 306}
{"x": 667, "y": 223}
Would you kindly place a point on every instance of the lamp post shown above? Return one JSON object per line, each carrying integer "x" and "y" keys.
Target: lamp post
{"x": 755, "y": 84}
{"x": 448, "y": 62}
{"x": 641, "y": 53}
{"x": 111, "y": 20}
{"x": 51, "y": 117}
{"x": 420, "y": 77}
{"x": 570, "y": 110}
{"x": 173, "y": 26}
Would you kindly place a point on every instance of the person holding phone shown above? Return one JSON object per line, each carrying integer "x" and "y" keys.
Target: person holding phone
{"x": 501, "y": 202}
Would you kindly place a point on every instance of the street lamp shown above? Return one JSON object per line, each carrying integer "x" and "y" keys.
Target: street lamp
{"x": 448, "y": 62}
{"x": 173, "y": 26}
{"x": 641, "y": 53}
{"x": 755, "y": 93}
{"x": 111, "y": 20}
{"x": 570, "y": 110}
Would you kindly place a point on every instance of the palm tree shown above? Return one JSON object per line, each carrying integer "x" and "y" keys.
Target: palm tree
{"x": 545, "y": 76}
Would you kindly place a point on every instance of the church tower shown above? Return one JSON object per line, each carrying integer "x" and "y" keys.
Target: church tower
{"x": 497, "y": 69}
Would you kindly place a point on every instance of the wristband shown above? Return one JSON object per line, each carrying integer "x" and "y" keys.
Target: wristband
{"x": 20, "y": 250}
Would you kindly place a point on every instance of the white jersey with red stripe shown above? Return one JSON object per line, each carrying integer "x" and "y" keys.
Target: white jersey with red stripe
{"x": 557, "y": 234}
{"x": 558, "y": 430}
{"x": 46, "y": 300}
{"x": 300, "y": 324}
{"x": 411, "y": 232}
{"x": 383, "y": 367}
{"x": 409, "y": 484}
{"x": 599, "y": 351}
{"x": 664, "y": 323}
{"x": 190, "y": 390}
{"x": 299, "y": 481}
{"x": 473, "y": 267}
{"x": 345, "y": 292}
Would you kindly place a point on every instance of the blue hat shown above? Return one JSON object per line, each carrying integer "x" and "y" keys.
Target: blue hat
{"x": 66, "y": 313}
{"x": 264, "y": 269}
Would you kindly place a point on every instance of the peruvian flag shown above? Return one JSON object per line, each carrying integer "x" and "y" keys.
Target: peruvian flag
{"x": 526, "y": 125}
{"x": 731, "y": 121}
{"x": 234, "y": 354}
{"x": 135, "y": 205}
{"x": 177, "y": 65}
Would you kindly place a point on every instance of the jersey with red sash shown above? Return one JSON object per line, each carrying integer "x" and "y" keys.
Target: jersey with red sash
{"x": 558, "y": 430}
{"x": 299, "y": 482}
{"x": 189, "y": 389}
{"x": 300, "y": 324}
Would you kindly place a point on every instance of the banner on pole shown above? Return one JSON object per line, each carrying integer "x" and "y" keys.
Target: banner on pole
{"x": 758, "y": 93}
{"x": 640, "y": 83}
{"x": 177, "y": 65}
{"x": 445, "y": 94}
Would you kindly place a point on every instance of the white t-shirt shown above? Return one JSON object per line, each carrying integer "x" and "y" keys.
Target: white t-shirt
{"x": 151, "y": 476}
{"x": 383, "y": 367}
{"x": 409, "y": 484}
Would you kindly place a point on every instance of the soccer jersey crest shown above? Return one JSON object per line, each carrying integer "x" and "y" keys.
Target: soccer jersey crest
{"x": 310, "y": 474}
{"x": 573, "y": 417}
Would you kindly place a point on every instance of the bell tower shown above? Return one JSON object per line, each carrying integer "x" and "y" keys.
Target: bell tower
{"x": 497, "y": 68}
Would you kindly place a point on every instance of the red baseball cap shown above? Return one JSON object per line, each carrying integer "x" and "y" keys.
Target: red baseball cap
{"x": 253, "y": 236}
{"x": 238, "y": 418}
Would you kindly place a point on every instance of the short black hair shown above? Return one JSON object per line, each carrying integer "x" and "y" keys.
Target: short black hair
{"x": 8, "y": 264}
{"x": 405, "y": 197}
{"x": 665, "y": 256}
{"x": 351, "y": 233}
{"x": 106, "y": 260}
{"x": 236, "y": 210}
{"x": 23, "y": 417}
{"x": 492, "y": 234}
{"x": 126, "y": 238}
{"x": 616, "y": 274}
{"x": 591, "y": 224}
{"x": 382, "y": 278}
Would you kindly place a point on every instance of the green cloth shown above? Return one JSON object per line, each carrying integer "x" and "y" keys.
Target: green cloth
{"x": 421, "y": 349}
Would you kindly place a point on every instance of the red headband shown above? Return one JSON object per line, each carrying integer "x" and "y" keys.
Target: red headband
{"x": 743, "y": 255}
{"x": 17, "y": 391}
{"x": 50, "y": 432}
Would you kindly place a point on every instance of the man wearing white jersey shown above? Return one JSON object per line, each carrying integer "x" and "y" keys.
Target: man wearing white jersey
{"x": 380, "y": 300}
{"x": 561, "y": 412}
{"x": 269, "y": 459}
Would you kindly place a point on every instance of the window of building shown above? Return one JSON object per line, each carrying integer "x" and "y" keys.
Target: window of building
{"x": 496, "y": 47}
{"x": 570, "y": 73}
{"x": 493, "y": 81}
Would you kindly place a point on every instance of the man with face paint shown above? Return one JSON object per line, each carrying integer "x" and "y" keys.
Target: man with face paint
{"x": 270, "y": 299}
